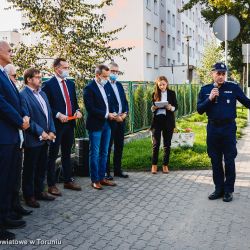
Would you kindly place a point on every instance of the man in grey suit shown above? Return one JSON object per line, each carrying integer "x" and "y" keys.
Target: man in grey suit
{"x": 37, "y": 138}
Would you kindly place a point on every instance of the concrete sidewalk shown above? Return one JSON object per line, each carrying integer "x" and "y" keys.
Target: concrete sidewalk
{"x": 148, "y": 212}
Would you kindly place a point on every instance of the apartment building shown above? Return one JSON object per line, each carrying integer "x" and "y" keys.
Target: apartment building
{"x": 158, "y": 33}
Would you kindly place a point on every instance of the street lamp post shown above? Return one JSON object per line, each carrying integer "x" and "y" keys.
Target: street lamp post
{"x": 187, "y": 38}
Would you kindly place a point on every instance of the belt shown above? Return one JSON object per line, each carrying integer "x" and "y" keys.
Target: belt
{"x": 220, "y": 122}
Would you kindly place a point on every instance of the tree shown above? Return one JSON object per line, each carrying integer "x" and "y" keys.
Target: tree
{"x": 212, "y": 54}
{"x": 71, "y": 29}
{"x": 240, "y": 9}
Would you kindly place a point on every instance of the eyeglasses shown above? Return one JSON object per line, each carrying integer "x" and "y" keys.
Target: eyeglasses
{"x": 117, "y": 72}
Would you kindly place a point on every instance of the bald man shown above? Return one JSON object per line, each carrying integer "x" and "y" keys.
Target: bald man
{"x": 12, "y": 122}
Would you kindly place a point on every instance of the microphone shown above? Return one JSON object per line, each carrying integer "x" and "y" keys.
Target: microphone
{"x": 216, "y": 97}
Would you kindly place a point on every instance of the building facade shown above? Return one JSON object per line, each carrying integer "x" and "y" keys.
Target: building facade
{"x": 158, "y": 34}
{"x": 12, "y": 37}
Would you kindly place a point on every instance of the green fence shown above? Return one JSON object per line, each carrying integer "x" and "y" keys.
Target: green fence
{"x": 139, "y": 96}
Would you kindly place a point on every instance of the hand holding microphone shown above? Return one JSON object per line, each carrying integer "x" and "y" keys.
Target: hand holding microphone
{"x": 214, "y": 93}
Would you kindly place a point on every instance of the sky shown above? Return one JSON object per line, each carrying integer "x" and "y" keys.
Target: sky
{"x": 9, "y": 19}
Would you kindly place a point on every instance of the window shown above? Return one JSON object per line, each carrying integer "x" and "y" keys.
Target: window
{"x": 182, "y": 27}
{"x": 193, "y": 53}
{"x": 182, "y": 47}
{"x": 162, "y": 3}
{"x": 148, "y": 4}
{"x": 148, "y": 55}
{"x": 173, "y": 20}
{"x": 186, "y": 30}
{"x": 162, "y": 25}
{"x": 190, "y": 31}
{"x": 178, "y": 35}
{"x": 155, "y": 61}
{"x": 155, "y": 7}
{"x": 169, "y": 17}
{"x": 155, "y": 34}
{"x": 169, "y": 62}
{"x": 179, "y": 57}
{"x": 173, "y": 43}
{"x": 169, "y": 41}
{"x": 162, "y": 51}
{"x": 148, "y": 27}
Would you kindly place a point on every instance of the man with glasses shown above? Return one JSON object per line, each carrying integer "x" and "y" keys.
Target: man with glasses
{"x": 37, "y": 138}
{"x": 119, "y": 101}
{"x": 219, "y": 100}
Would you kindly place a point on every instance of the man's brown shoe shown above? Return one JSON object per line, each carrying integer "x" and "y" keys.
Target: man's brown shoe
{"x": 54, "y": 191}
{"x": 44, "y": 196}
{"x": 32, "y": 202}
{"x": 154, "y": 169}
{"x": 105, "y": 182}
{"x": 165, "y": 169}
{"x": 73, "y": 186}
{"x": 96, "y": 185}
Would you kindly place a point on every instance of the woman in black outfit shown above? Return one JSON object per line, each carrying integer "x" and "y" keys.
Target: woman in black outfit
{"x": 163, "y": 122}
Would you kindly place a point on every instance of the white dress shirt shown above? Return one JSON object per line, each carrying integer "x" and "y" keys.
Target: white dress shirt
{"x": 41, "y": 101}
{"x": 164, "y": 98}
{"x": 114, "y": 86}
{"x": 104, "y": 96}
{"x": 61, "y": 87}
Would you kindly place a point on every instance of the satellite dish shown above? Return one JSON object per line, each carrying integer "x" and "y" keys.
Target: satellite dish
{"x": 233, "y": 27}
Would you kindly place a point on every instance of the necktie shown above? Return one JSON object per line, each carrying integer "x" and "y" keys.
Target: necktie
{"x": 67, "y": 99}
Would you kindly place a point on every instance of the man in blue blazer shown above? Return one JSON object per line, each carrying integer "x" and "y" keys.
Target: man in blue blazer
{"x": 120, "y": 105}
{"x": 61, "y": 94}
{"x": 97, "y": 106}
{"x": 11, "y": 123}
{"x": 41, "y": 131}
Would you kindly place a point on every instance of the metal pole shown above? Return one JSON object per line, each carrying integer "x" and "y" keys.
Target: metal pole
{"x": 248, "y": 90}
{"x": 226, "y": 42}
{"x": 187, "y": 60}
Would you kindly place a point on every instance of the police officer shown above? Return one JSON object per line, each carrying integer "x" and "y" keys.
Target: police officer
{"x": 219, "y": 100}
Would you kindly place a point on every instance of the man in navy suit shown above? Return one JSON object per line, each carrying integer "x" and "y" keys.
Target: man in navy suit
{"x": 17, "y": 210}
{"x": 97, "y": 105}
{"x": 120, "y": 104}
{"x": 37, "y": 137}
{"x": 12, "y": 122}
{"x": 61, "y": 94}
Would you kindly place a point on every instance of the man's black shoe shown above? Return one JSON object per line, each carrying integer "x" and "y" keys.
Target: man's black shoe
{"x": 228, "y": 197}
{"x": 121, "y": 175}
{"x": 15, "y": 216}
{"x": 215, "y": 195}
{"x": 108, "y": 177}
{"x": 22, "y": 211}
{"x": 5, "y": 235}
{"x": 13, "y": 224}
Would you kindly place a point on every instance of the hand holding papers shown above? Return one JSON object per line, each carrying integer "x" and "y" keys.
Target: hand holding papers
{"x": 161, "y": 104}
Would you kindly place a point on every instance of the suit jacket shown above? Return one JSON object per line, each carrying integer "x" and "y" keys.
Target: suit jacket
{"x": 95, "y": 106}
{"x": 170, "y": 116}
{"x": 10, "y": 111}
{"x": 56, "y": 100}
{"x": 38, "y": 120}
{"x": 113, "y": 102}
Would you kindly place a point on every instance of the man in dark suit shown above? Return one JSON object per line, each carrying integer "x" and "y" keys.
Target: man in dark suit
{"x": 17, "y": 210}
{"x": 41, "y": 131}
{"x": 11, "y": 123}
{"x": 97, "y": 105}
{"x": 61, "y": 94}
{"x": 119, "y": 102}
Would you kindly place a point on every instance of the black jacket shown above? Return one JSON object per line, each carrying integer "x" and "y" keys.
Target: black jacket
{"x": 170, "y": 116}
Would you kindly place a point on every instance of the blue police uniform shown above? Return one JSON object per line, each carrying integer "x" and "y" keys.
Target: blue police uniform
{"x": 221, "y": 131}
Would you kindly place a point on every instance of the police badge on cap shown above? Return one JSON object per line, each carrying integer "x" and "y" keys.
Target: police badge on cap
{"x": 219, "y": 67}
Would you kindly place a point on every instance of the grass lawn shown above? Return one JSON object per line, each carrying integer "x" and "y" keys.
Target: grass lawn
{"x": 137, "y": 154}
